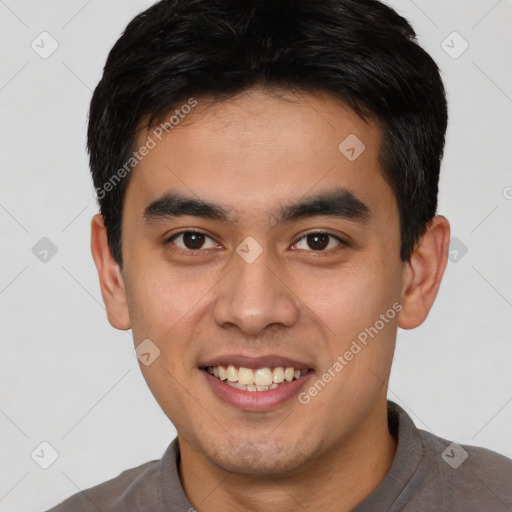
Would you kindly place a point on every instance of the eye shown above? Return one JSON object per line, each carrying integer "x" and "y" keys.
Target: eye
{"x": 320, "y": 241}
{"x": 191, "y": 241}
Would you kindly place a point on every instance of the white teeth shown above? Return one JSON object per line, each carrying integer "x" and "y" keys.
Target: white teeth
{"x": 289, "y": 374}
{"x": 278, "y": 375}
{"x": 261, "y": 379}
{"x": 236, "y": 385}
{"x": 245, "y": 376}
{"x": 232, "y": 373}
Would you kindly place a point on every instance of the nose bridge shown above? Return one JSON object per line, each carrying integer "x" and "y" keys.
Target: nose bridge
{"x": 252, "y": 296}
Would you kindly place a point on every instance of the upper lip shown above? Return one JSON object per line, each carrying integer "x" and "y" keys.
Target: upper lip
{"x": 269, "y": 360}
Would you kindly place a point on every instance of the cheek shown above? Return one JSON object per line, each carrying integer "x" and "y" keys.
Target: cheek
{"x": 168, "y": 311}
{"x": 169, "y": 390}
{"x": 159, "y": 300}
{"x": 350, "y": 304}
{"x": 350, "y": 299}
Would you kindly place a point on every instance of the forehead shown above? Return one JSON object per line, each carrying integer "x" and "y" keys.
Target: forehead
{"x": 258, "y": 150}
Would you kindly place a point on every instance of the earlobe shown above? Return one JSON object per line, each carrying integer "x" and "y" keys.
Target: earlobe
{"x": 111, "y": 279}
{"x": 423, "y": 273}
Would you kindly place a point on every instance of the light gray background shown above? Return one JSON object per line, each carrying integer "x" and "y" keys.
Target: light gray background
{"x": 70, "y": 379}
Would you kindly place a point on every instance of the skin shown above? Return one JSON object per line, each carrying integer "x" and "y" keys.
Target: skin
{"x": 251, "y": 153}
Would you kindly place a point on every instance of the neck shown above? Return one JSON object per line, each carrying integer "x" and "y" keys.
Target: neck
{"x": 337, "y": 480}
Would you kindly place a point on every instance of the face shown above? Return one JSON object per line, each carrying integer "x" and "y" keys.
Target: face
{"x": 283, "y": 252}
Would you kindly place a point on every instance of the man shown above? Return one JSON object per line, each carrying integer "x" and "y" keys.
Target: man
{"x": 267, "y": 173}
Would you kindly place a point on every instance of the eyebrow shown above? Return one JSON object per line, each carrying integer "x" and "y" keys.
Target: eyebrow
{"x": 339, "y": 203}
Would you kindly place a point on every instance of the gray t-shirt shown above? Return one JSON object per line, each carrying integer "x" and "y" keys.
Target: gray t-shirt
{"x": 428, "y": 474}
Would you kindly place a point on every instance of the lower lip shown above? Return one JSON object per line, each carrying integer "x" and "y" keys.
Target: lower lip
{"x": 256, "y": 400}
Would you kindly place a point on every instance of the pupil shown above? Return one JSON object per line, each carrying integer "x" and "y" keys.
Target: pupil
{"x": 193, "y": 240}
{"x": 321, "y": 241}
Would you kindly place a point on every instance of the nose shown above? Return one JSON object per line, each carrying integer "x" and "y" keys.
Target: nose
{"x": 255, "y": 297}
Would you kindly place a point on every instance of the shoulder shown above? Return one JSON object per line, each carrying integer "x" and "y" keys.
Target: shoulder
{"x": 434, "y": 474}
{"x": 471, "y": 476}
{"x": 122, "y": 493}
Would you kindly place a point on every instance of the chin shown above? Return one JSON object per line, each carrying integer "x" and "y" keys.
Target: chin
{"x": 264, "y": 458}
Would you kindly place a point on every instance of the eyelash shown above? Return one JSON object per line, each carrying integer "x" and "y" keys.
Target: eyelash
{"x": 192, "y": 252}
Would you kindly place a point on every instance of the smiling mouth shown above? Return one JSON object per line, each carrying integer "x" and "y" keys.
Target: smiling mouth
{"x": 259, "y": 379}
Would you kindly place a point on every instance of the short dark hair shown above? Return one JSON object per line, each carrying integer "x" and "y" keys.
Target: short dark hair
{"x": 361, "y": 51}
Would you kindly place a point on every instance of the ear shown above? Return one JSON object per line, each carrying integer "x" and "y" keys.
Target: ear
{"x": 423, "y": 273}
{"x": 111, "y": 279}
